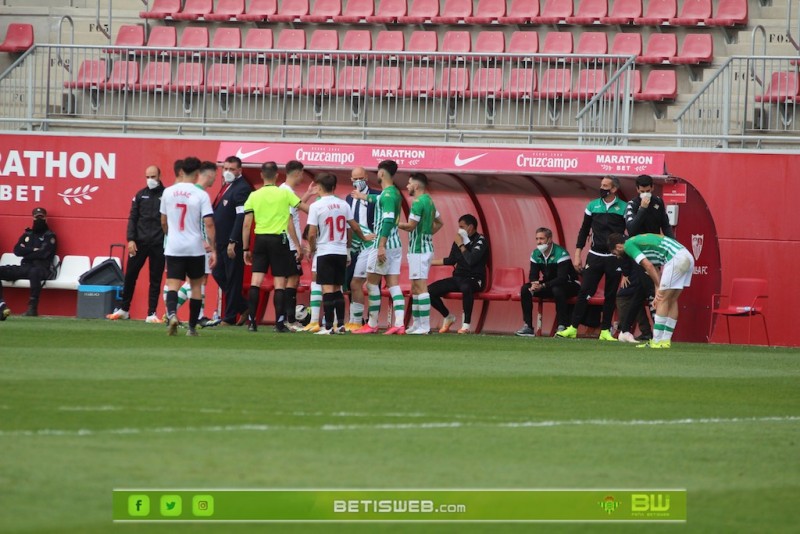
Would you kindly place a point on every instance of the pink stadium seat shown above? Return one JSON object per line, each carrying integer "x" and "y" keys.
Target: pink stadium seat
{"x": 290, "y": 11}
{"x": 589, "y": 12}
{"x": 523, "y": 43}
{"x": 259, "y": 11}
{"x": 521, "y": 84}
{"x": 627, "y": 44}
{"x": 226, "y": 10}
{"x": 327, "y": 40}
{"x": 388, "y": 12}
{"x": 454, "y": 12}
{"x": 456, "y": 43}
{"x": 520, "y": 12}
{"x": 195, "y": 38}
{"x": 592, "y": 43}
{"x": 194, "y": 10}
{"x": 385, "y": 82}
{"x": 554, "y": 11}
{"x": 157, "y": 76}
{"x": 421, "y": 12}
{"x": 623, "y": 12}
{"x": 291, "y": 40}
{"x": 221, "y": 78}
{"x": 658, "y": 12}
{"x": 324, "y": 11}
{"x": 390, "y": 41}
{"x": 319, "y": 80}
{"x": 258, "y": 39}
{"x": 161, "y": 37}
{"x": 356, "y": 11}
{"x": 490, "y": 42}
{"x": 488, "y": 12}
{"x": 589, "y": 83}
{"x": 454, "y": 82}
{"x": 620, "y": 86}
{"x": 661, "y": 85}
{"x": 255, "y": 79}
{"x": 487, "y": 82}
{"x": 128, "y": 35}
{"x": 188, "y": 78}
{"x": 357, "y": 41}
{"x": 418, "y": 82}
{"x": 226, "y": 38}
{"x": 693, "y": 13}
{"x": 660, "y": 48}
{"x": 783, "y": 88}
{"x": 697, "y": 48}
{"x": 161, "y": 9}
{"x": 124, "y": 76}
{"x": 557, "y": 43}
{"x": 730, "y": 13}
{"x": 287, "y": 79}
{"x": 351, "y": 80}
{"x": 555, "y": 83}
{"x": 422, "y": 42}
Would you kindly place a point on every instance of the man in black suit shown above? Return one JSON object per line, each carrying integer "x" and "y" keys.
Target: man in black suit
{"x": 228, "y": 219}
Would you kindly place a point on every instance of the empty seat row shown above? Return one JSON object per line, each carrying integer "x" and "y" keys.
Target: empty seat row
{"x": 19, "y": 38}
{"x": 661, "y": 47}
{"x": 659, "y": 12}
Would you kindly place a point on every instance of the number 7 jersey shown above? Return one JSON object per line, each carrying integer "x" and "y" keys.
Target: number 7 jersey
{"x": 185, "y": 206}
{"x": 331, "y": 215}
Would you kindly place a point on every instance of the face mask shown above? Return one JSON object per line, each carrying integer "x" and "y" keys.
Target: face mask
{"x": 604, "y": 193}
{"x": 228, "y": 176}
{"x": 360, "y": 185}
{"x": 645, "y": 195}
{"x": 152, "y": 183}
{"x": 39, "y": 226}
{"x": 542, "y": 247}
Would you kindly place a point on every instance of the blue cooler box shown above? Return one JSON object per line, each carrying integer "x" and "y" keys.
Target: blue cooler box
{"x": 95, "y": 302}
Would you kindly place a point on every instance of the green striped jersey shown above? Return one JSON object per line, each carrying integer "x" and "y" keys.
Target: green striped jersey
{"x": 424, "y": 212}
{"x": 387, "y": 213}
{"x": 658, "y": 249}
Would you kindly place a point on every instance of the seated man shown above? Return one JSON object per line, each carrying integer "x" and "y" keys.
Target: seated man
{"x": 551, "y": 277}
{"x": 469, "y": 254}
{"x": 37, "y": 247}
{"x": 627, "y": 297}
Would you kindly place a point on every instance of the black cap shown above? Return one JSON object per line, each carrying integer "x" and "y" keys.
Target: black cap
{"x": 39, "y": 212}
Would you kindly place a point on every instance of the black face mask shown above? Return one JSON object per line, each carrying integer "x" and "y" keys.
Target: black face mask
{"x": 40, "y": 226}
{"x": 604, "y": 193}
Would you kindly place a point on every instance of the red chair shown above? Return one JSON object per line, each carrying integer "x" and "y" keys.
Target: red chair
{"x": 662, "y": 85}
{"x": 623, "y": 12}
{"x": 255, "y": 79}
{"x": 418, "y": 82}
{"x": 456, "y": 43}
{"x": 487, "y": 82}
{"x": 324, "y": 11}
{"x": 506, "y": 281}
{"x": 521, "y": 84}
{"x": 555, "y": 83}
{"x": 454, "y": 82}
{"x": 161, "y": 9}
{"x": 658, "y": 12}
{"x": 188, "y": 78}
{"x": 520, "y": 12}
{"x": 490, "y": 42}
{"x": 291, "y": 41}
{"x": 161, "y": 37}
{"x": 627, "y": 44}
{"x": 356, "y": 41}
{"x": 390, "y": 41}
{"x": 589, "y": 83}
{"x": 454, "y": 12}
{"x": 260, "y": 39}
{"x": 290, "y": 11}
{"x": 385, "y": 82}
{"x": 194, "y": 10}
{"x": 693, "y": 13}
{"x": 351, "y": 81}
{"x": 229, "y": 39}
{"x": 523, "y": 43}
{"x": 697, "y": 49}
{"x": 157, "y": 77}
{"x": 327, "y": 40}
{"x": 91, "y": 74}
{"x": 388, "y": 12}
{"x": 487, "y": 12}
{"x": 621, "y": 87}
{"x": 259, "y": 11}
{"x": 660, "y": 48}
{"x": 124, "y": 77}
{"x": 356, "y": 11}
{"x": 221, "y": 78}
{"x": 286, "y": 80}
{"x": 129, "y": 35}
{"x": 730, "y": 13}
{"x": 783, "y": 88}
{"x": 421, "y": 42}
{"x": 421, "y": 12}
{"x": 226, "y": 10}
{"x": 320, "y": 80}
{"x": 592, "y": 44}
{"x": 194, "y": 39}
{"x": 748, "y": 298}
{"x": 589, "y": 12}
{"x": 557, "y": 44}
{"x": 554, "y": 11}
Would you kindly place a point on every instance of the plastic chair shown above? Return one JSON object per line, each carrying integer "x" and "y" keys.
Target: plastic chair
{"x": 660, "y": 48}
{"x": 521, "y": 84}
{"x": 157, "y": 76}
{"x": 592, "y": 44}
{"x": 555, "y": 83}
{"x": 693, "y": 12}
{"x": 259, "y": 11}
{"x": 91, "y": 74}
{"x": 355, "y": 11}
{"x": 188, "y": 78}
{"x": 124, "y": 76}
{"x": 422, "y": 12}
{"x": 129, "y": 35}
{"x": 456, "y": 43}
{"x": 730, "y": 13}
{"x": 291, "y": 41}
{"x": 661, "y": 85}
{"x": 697, "y": 48}
{"x": 388, "y": 12}
{"x": 194, "y": 10}
{"x": 620, "y": 87}
{"x": 254, "y": 81}
{"x": 390, "y": 41}
{"x": 195, "y": 39}
{"x": 351, "y": 80}
{"x": 421, "y": 42}
{"x": 286, "y": 80}
{"x": 554, "y": 11}
{"x": 558, "y": 44}
{"x": 324, "y": 11}
{"x": 161, "y": 9}
{"x": 658, "y": 13}
{"x": 418, "y": 82}
{"x": 290, "y": 11}
{"x": 385, "y": 82}
{"x": 320, "y": 80}
{"x": 161, "y": 37}
{"x": 627, "y": 44}
{"x": 783, "y": 88}
{"x": 748, "y": 298}
{"x": 327, "y": 40}
{"x": 487, "y": 12}
{"x": 221, "y": 78}
{"x": 487, "y": 82}
{"x": 454, "y": 82}
{"x": 589, "y": 83}
{"x": 227, "y": 38}
{"x": 523, "y": 43}
{"x": 506, "y": 281}
{"x": 454, "y": 12}
{"x": 520, "y": 12}
{"x": 226, "y": 10}
{"x": 490, "y": 42}
{"x": 589, "y": 12}
{"x": 623, "y": 12}
{"x": 260, "y": 39}
{"x": 356, "y": 41}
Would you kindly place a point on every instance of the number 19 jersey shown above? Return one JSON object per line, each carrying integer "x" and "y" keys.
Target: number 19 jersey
{"x": 331, "y": 215}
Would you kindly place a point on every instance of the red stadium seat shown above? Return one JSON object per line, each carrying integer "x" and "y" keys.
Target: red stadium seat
{"x": 287, "y": 79}
{"x": 418, "y": 82}
{"x": 506, "y": 282}
{"x": 351, "y": 81}
{"x": 589, "y": 12}
{"x": 227, "y": 38}
{"x": 658, "y": 12}
{"x": 783, "y": 88}
{"x": 454, "y": 12}
{"x": 456, "y": 43}
{"x": 255, "y": 79}
{"x": 260, "y": 39}
{"x": 521, "y": 84}
{"x": 490, "y": 42}
{"x": 320, "y": 80}
{"x": 91, "y": 74}
{"x": 259, "y": 11}
{"x": 660, "y": 48}
{"x": 327, "y": 40}
{"x": 693, "y": 13}
{"x": 388, "y": 12}
{"x": 291, "y": 41}
{"x": 620, "y": 87}
{"x": 589, "y": 83}
{"x": 194, "y": 10}
{"x": 161, "y": 37}
{"x": 523, "y": 43}
{"x": 421, "y": 12}
{"x": 226, "y": 10}
{"x": 195, "y": 38}
{"x": 520, "y": 12}
{"x": 555, "y": 83}
{"x": 661, "y": 85}
{"x": 730, "y": 13}
{"x": 390, "y": 41}
{"x": 487, "y": 82}
{"x": 290, "y": 11}
{"x": 487, "y": 12}
{"x": 221, "y": 78}
{"x": 188, "y": 78}
{"x": 558, "y": 44}
{"x": 623, "y": 12}
{"x": 592, "y": 44}
{"x": 748, "y": 298}
{"x": 554, "y": 11}
{"x": 697, "y": 49}
{"x": 157, "y": 76}
{"x": 385, "y": 82}
{"x": 627, "y": 44}
{"x": 129, "y": 35}
{"x": 356, "y": 11}
{"x": 324, "y": 11}
{"x": 356, "y": 41}
{"x": 124, "y": 77}
{"x": 161, "y": 9}
{"x": 454, "y": 82}
{"x": 422, "y": 42}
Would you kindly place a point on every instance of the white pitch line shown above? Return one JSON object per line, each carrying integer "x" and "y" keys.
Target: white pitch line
{"x": 399, "y": 426}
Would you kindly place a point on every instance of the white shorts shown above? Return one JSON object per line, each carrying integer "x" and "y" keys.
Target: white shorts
{"x": 677, "y": 272}
{"x": 360, "y": 270}
{"x": 394, "y": 256}
{"x": 314, "y": 264}
{"x": 419, "y": 265}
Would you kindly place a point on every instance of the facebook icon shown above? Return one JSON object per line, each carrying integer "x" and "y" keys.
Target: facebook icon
{"x": 138, "y": 505}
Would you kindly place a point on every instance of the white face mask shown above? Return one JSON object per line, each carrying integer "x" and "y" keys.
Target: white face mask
{"x": 542, "y": 247}
{"x": 228, "y": 176}
{"x": 360, "y": 185}
{"x": 152, "y": 183}
{"x": 645, "y": 195}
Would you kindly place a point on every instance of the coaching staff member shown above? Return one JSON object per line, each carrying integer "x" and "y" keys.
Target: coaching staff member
{"x": 269, "y": 207}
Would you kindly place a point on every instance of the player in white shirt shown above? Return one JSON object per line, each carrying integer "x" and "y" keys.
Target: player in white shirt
{"x": 185, "y": 208}
{"x": 330, "y": 221}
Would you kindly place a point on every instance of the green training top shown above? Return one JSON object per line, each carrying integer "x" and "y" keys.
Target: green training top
{"x": 658, "y": 249}
{"x": 424, "y": 212}
{"x": 387, "y": 213}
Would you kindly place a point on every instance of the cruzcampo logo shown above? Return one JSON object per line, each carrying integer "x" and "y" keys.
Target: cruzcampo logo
{"x": 609, "y": 505}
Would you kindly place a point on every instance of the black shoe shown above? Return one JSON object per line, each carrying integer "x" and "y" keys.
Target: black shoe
{"x": 31, "y": 312}
{"x": 644, "y": 337}
{"x": 282, "y": 328}
{"x": 5, "y": 311}
{"x": 209, "y": 323}
{"x": 252, "y": 327}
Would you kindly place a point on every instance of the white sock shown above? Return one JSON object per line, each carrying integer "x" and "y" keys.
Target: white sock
{"x": 398, "y": 305}
{"x": 374, "y": 293}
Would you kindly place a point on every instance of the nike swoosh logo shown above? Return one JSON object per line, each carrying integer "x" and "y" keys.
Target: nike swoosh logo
{"x": 245, "y": 155}
{"x": 466, "y": 161}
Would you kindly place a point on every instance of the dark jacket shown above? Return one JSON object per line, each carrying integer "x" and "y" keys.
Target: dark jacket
{"x": 370, "y": 208}
{"x": 555, "y": 270}
{"x": 472, "y": 262}
{"x": 38, "y": 250}
{"x": 650, "y": 220}
{"x": 229, "y": 211}
{"x": 144, "y": 221}
{"x": 602, "y": 221}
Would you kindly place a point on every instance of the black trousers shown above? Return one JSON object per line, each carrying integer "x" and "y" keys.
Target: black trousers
{"x": 466, "y": 286}
{"x": 560, "y": 294}
{"x": 644, "y": 289}
{"x": 229, "y": 274}
{"x": 25, "y": 271}
{"x": 155, "y": 255}
{"x": 596, "y": 267}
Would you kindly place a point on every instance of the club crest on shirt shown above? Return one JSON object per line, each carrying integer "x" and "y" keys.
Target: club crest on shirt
{"x": 225, "y": 202}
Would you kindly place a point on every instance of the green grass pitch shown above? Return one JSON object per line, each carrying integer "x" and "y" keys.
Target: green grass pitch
{"x": 89, "y": 405}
